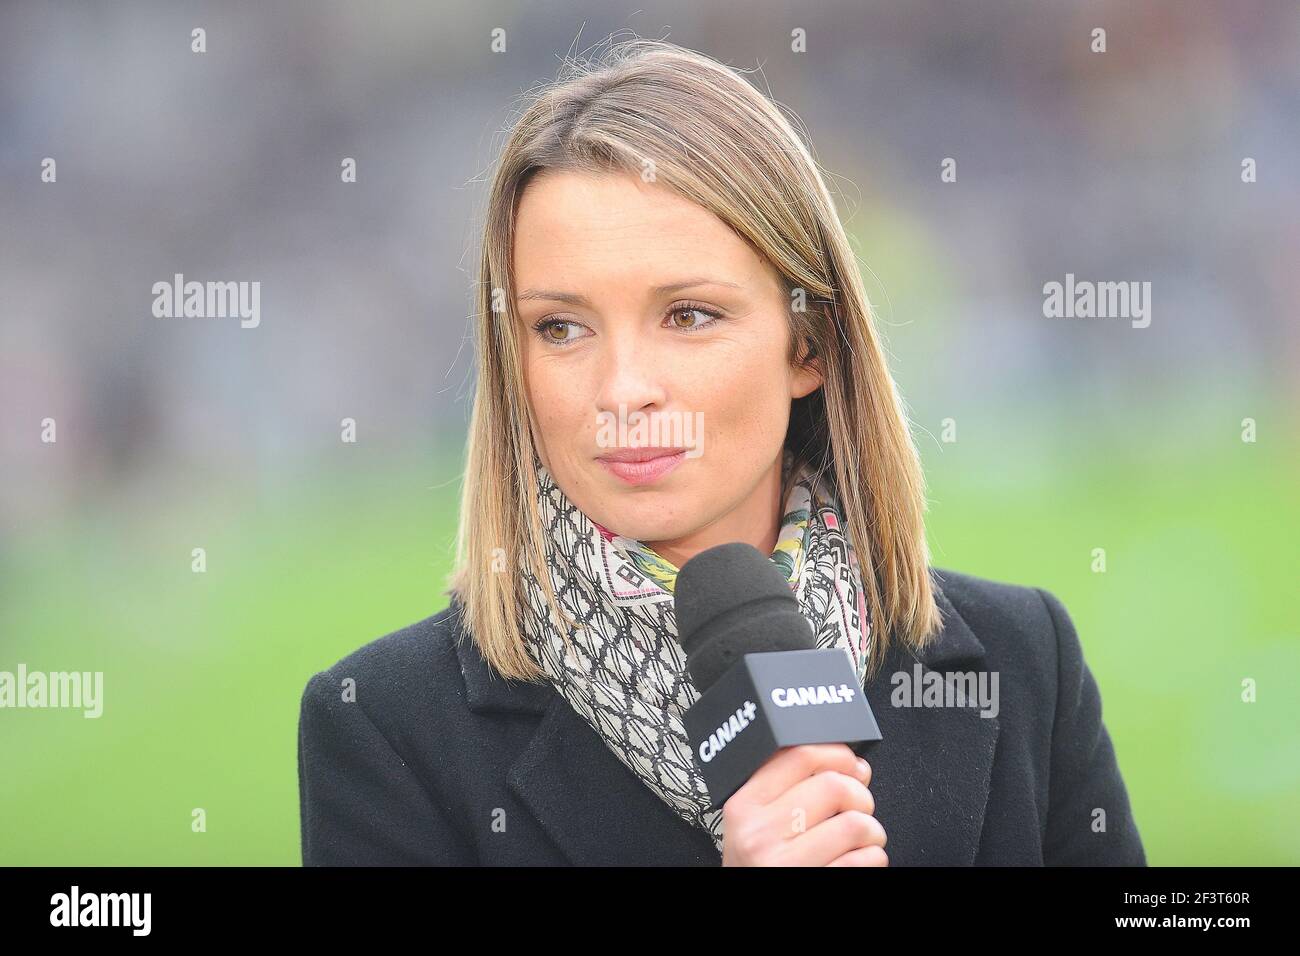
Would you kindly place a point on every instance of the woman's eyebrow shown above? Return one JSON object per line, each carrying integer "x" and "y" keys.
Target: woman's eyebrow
{"x": 573, "y": 298}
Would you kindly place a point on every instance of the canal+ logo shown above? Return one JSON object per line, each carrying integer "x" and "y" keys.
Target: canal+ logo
{"x": 728, "y": 732}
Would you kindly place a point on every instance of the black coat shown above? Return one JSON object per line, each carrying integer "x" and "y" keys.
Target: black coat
{"x": 441, "y": 761}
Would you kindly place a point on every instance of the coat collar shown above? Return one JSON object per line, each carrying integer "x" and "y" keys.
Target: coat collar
{"x": 930, "y": 772}
{"x": 955, "y": 641}
{"x": 485, "y": 689}
{"x": 932, "y": 769}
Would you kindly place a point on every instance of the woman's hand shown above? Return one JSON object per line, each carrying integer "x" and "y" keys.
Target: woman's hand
{"x": 807, "y": 806}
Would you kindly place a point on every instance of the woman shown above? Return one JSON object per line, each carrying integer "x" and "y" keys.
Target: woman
{"x": 675, "y": 351}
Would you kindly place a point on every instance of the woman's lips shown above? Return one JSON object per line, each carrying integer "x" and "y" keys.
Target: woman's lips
{"x": 644, "y": 472}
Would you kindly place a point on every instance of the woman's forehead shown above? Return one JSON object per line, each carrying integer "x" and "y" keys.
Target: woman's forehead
{"x": 579, "y": 229}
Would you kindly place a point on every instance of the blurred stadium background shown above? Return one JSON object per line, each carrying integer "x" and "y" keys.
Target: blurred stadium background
{"x": 176, "y": 434}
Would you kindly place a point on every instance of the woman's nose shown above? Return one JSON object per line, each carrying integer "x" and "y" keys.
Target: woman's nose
{"x": 632, "y": 376}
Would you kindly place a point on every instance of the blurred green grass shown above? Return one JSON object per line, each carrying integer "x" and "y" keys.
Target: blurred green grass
{"x": 203, "y": 672}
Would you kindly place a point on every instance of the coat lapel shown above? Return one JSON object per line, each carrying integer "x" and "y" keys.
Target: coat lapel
{"x": 596, "y": 810}
{"x": 930, "y": 772}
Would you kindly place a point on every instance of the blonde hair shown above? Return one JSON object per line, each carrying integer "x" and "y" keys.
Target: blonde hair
{"x": 706, "y": 133}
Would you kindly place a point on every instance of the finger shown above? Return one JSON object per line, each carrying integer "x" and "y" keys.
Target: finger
{"x": 790, "y": 765}
{"x": 819, "y": 798}
{"x": 832, "y": 838}
{"x": 862, "y": 856}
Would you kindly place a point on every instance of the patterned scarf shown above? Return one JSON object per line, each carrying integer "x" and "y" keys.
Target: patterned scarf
{"x": 626, "y": 673}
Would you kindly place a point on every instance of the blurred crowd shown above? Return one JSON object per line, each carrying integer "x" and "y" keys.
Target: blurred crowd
{"x": 225, "y": 165}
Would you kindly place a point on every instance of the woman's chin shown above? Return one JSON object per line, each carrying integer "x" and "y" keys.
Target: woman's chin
{"x": 648, "y": 527}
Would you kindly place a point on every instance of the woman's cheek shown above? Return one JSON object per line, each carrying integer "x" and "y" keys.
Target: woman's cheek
{"x": 554, "y": 405}
{"x": 748, "y": 410}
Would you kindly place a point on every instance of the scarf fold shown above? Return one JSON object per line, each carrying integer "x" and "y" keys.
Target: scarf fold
{"x": 625, "y": 672}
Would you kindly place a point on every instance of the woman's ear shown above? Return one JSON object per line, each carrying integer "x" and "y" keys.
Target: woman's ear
{"x": 809, "y": 374}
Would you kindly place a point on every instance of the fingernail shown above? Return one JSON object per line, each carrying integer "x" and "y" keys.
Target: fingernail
{"x": 863, "y": 767}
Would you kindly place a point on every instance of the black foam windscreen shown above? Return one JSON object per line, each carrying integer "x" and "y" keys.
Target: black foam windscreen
{"x": 730, "y": 601}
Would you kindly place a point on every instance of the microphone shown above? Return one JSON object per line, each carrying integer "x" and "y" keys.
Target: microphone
{"x": 763, "y": 682}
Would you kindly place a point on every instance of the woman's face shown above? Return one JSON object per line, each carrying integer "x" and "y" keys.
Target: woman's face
{"x": 648, "y": 322}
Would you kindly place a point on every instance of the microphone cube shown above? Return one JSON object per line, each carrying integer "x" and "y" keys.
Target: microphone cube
{"x": 771, "y": 700}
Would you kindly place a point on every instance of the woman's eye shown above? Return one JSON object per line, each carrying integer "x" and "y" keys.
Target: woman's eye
{"x": 555, "y": 331}
{"x": 696, "y": 318}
